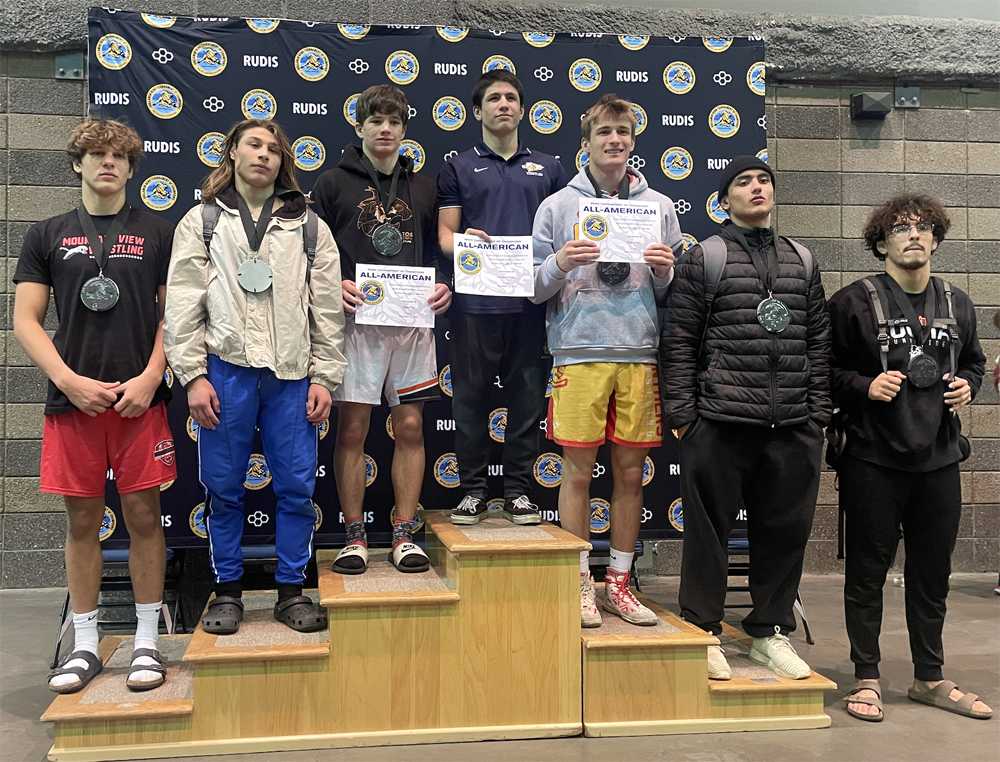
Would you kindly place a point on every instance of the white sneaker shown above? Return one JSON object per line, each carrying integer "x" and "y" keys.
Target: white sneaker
{"x": 777, "y": 653}
{"x": 619, "y": 600}
{"x": 589, "y": 615}
{"x": 718, "y": 667}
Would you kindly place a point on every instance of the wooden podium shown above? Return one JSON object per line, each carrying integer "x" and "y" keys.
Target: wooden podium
{"x": 485, "y": 646}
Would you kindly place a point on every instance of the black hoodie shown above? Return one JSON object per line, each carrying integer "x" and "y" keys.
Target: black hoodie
{"x": 346, "y": 200}
{"x": 914, "y": 432}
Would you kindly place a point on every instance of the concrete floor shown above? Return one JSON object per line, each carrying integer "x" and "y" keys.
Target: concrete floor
{"x": 910, "y": 732}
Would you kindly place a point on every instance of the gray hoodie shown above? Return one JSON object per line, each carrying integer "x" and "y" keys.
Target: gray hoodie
{"x": 586, "y": 319}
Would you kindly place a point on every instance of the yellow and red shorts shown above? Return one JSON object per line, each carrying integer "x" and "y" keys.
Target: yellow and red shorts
{"x": 594, "y": 402}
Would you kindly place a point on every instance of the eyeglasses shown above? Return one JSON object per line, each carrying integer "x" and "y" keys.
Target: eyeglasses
{"x": 904, "y": 228}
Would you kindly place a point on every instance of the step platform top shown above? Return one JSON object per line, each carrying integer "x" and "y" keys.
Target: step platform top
{"x": 381, "y": 585}
{"x": 670, "y": 631}
{"x": 498, "y": 535}
{"x": 751, "y": 677}
{"x": 108, "y": 698}
{"x": 260, "y": 638}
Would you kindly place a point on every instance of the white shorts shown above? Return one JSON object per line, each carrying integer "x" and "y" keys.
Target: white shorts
{"x": 400, "y": 363}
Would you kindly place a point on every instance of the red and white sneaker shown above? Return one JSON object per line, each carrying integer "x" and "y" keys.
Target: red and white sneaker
{"x": 618, "y": 599}
{"x": 589, "y": 615}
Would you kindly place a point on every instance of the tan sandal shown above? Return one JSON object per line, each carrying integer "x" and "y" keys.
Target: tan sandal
{"x": 853, "y": 698}
{"x": 940, "y": 697}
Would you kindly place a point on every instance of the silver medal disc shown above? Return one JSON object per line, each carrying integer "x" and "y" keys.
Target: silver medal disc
{"x": 774, "y": 315}
{"x": 613, "y": 273}
{"x": 254, "y": 276}
{"x": 99, "y": 293}
{"x": 387, "y": 240}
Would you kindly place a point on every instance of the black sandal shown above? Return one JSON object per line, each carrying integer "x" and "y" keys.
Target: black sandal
{"x": 301, "y": 614}
{"x": 223, "y": 616}
{"x": 158, "y": 668}
{"x": 93, "y": 669}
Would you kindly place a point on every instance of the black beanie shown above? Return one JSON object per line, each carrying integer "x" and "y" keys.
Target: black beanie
{"x": 738, "y": 166}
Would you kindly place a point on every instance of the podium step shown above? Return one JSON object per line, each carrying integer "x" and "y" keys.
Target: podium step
{"x": 260, "y": 638}
{"x": 381, "y": 585}
{"x": 495, "y": 535}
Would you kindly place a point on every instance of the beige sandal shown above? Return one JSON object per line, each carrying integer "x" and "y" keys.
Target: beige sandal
{"x": 853, "y": 698}
{"x": 940, "y": 697}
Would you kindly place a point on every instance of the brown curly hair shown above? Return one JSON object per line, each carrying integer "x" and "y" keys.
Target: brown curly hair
{"x": 100, "y": 133}
{"x": 907, "y": 206}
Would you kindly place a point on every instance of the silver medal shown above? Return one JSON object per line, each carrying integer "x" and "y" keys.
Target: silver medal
{"x": 254, "y": 276}
{"x": 99, "y": 293}
{"x": 387, "y": 240}
{"x": 774, "y": 315}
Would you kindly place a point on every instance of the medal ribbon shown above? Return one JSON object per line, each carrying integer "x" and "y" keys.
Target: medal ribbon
{"x": 623, "y": 186}
{"x": 255, "y": 232}
{"x": 101, "y": 247}
{"x": 385, "y": 200}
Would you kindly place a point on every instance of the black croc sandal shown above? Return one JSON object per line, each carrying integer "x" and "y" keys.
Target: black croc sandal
{"x": 159, "y": 668}
{"x": 301, "y": 614}
{"x": 93, "y": 669}
{"x": 223, "y": 616}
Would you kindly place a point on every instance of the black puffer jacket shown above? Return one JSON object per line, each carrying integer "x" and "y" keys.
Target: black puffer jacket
{"x": 743, "y": 374}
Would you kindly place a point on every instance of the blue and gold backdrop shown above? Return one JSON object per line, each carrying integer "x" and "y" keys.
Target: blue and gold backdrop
{"x": 183, "y": 82}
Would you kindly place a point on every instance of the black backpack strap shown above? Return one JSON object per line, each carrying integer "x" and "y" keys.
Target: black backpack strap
{"x": 714, "y": 255}
{"x": 950, "y": 323}
{"x": 807, "y": 259}
{"x": 310, "y": 232}
{"x": 883, "y": 324}
{"x": 209, "y": 219}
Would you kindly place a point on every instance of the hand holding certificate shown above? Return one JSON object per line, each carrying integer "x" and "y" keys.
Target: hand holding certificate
{"x": 501, "y": 266}
{"x": 395, "y": 296}
{"x": 621, "y": 229}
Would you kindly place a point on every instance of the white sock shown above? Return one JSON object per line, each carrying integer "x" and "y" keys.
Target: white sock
{"x": 147, "y": 631}
{"x": 85, "y": 638}
{"x": 621, "y": 561}
{"x": 585, "y": 562}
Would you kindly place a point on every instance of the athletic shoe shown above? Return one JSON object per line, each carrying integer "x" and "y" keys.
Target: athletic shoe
{"x": 618, "y": 599}
{"x": 718, "y": 667}
{"x": 589, "y": 615}
{"x": 471, "y": 510}
{"x": 777, "y": 653}
{"x": 521, "y": 510}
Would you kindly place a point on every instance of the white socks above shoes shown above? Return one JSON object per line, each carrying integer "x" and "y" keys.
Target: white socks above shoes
{"x": 584, "y": 562}
{"x": 147, "y": 631}
{"x": 621, "y": 561}
{"x": 85, "y": 638}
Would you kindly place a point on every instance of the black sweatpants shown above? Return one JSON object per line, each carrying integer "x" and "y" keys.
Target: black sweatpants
{"x": 774, "y": 474}
{"x": 484, "y": 347}
{"x": 927, "y": 508}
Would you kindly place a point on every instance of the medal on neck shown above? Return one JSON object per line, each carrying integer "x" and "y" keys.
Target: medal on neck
{"x": 612, "y": 273}
{"x": 100, "y": 293}
{"x": 386, "y": 238}
{"x": 922, "y": 369}
{"x": 773, "y": 314}
{"x": 255, "y": 275}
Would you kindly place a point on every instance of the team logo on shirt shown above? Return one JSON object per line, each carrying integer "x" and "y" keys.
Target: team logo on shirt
{"x": 545, "y": 117}
{"x": 498, "y": 61}
{"x": 538, "y": 39}
{"x": 648, "y": 471}
{"x": 688, "y": 240}
{"x": 159, "y": 22}
{"x": 676, "y": 163}
{"x": 498, "y": 424}
{"x": 113, "y": 52}
{"x": 633, "y": 41}
{"x": 388, "y": 427}
{"x": 678, "y": 77}
{"x": 318, "y": 521}
{"x": 402, "y": 67}
{"x": 446, "y": 470}
{"x": 762, "y": 155}
{"x": 533, "y": 168}
{"x": 196, "y": 521}
{"x": 312, "y": 64}
{"x": 452, "y": 33}
{"x": 641, "y": 119}
{"x": 600, "y": 515}
{"x": 258, "y": 473}
{"x": 163, "y": 451}
{"x": 323, "y": 428}
{"x": 469, "y": 262}
{"x": 372, "y": 292}
{"x": 210, "y": 148}
{"x": 444, "y": 380}
{"x": 259, "y": 104}
{"x": 192, "y": 427}
{"x": 371, "y": 470}
{"x": 108, "y": 524}
{"x": 209, "y": 59}
{"x": 585, "y": 74}
{"x": 353, "y": 31}
{"x": 309, "y": 153}
{"x": 158, "y": 192}
{"x": 595, "y": 227}
{"x": 168, "y": 377}
{"x": 717, "y": 44}
{"x": 755, "y": 78}
{"x": 724, "y": 121}
{"x": 448, "y": 113}
{"x": 548, "y": 469}
{"x": 714, "y": 211}
{"x": 582, "y": 159}
{"x": 418, "y": 518}
{"x": 413, "y": 151}
{"x": 675, "y": 515}
{"x": 263, "y": 26}
{"x": 351, "y": 109}
{"x": 164, "y": 101}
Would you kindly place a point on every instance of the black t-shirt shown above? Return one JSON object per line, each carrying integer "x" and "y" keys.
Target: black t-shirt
{"x": 108, "y": 346}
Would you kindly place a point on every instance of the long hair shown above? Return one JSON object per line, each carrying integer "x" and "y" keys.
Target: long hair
{"x": 222, "y": 176}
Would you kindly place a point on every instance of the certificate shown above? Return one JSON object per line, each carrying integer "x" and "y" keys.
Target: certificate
{"x": 501, "y": 267}
{"x": 395, "y": 296}
{"x": 621, "y": 229}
